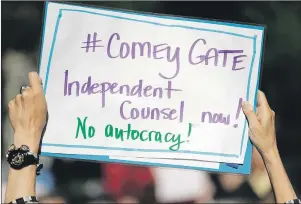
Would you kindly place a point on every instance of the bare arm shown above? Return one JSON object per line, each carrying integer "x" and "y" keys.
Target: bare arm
{"x": 282, "y": 186}
{"x": 263, "y": 135}
{"x": 21, "y": 183}
{"x": 27, "y": 114}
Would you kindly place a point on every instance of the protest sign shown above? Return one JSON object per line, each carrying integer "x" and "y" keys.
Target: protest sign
{"x": 127, "y": 84}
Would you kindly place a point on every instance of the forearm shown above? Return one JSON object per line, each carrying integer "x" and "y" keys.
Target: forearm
{"x": 21, "y": 183}
{"x": 281, "y": 184}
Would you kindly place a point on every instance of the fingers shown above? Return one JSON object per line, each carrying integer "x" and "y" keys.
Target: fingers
{"x": 11, "y": 104}
{"x": 26, "y": 91}
{"x": 262, "y": 100}
{"x": 35, "y": 82}
{"x": 18, "y": 100}
{"x": 251, "y": 115}
{"x": 266, "y": 113}
{"x": 34, "y": 87}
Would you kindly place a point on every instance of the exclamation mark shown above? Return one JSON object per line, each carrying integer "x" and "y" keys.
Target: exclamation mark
{"x": 189, "y": 130}
{"x": 238, "y": 111}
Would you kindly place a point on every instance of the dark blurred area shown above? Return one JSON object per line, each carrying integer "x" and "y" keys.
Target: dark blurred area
{"x": 81, "y": 182}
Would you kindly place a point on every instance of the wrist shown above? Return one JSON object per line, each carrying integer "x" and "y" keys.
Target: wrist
{"x": 30, "y": 139}
{"x": 272, "y": 156}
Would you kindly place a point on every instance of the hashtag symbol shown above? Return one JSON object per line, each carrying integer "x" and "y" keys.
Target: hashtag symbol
{"x": 91, "y": 43}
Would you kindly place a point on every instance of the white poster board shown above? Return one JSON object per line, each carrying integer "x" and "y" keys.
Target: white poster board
{"x": 147, "y": 86}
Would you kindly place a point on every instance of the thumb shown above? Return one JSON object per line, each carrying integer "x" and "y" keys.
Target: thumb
{"x": 35, "y": 82}
{"x": 250, "y": 114}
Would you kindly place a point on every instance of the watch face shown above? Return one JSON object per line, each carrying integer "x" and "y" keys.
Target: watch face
{"x": 18, "y": 159}
{"x": 24, "y": 148}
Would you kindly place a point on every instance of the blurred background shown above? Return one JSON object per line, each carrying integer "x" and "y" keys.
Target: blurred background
{"x": 68, "y": 181}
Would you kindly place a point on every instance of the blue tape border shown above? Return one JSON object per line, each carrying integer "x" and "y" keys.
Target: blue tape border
{"x": 242, "y": 169}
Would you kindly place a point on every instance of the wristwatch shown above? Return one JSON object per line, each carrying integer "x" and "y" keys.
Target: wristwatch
{"x": 19, "y": 158}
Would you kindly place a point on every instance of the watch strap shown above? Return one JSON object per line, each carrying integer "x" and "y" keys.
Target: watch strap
{"x": 25, "y": 199}
{"x": 21, "y": 157}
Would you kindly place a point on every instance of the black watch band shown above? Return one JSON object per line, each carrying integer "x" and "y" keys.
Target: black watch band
{"x": 19, "y": 158}
{"x": 24, "y": 200}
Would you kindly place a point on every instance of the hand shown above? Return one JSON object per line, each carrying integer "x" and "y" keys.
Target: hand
{"x": 261, "y": 125}
{"x": 263, "y": 135}
{"x": 27, "y": 113}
